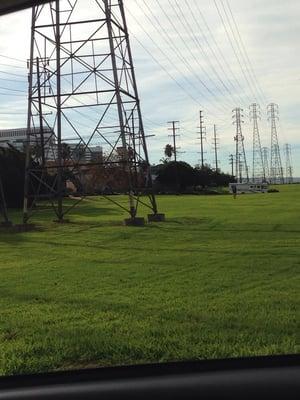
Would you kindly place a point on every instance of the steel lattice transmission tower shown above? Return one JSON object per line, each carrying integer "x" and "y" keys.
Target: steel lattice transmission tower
{"x": 288, "y": 163}
{"x": 265, "y": 152}
{"x": 258, "y": 169}
{"x": 85, "y": 108}
{"x": 276, "y": 170}
{"x": 241, "y": 167}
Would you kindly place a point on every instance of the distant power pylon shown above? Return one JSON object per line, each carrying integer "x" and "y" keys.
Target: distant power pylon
{"x": 265, "y": 152}
{"x": 241, "y": 167}
{"x": 216, "y": 146}
{"x": 174, "y": 128}
{"x": 202, "y": 138}
{"x": 288, "y": 163}
{"x": 258, "y": 169}
{"x": 276, "y": 170}
{"x": 231, "y": 163}
{"x": 81, "y": 85}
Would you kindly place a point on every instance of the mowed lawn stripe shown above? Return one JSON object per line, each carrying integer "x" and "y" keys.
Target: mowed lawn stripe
{"x": 219, "y": 279}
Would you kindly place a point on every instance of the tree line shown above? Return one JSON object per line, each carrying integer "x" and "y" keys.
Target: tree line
{"x": 169, "y": 176}
{"x": 180, "y": 176}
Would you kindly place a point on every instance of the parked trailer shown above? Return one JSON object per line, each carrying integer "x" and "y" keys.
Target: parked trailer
{"x": 242, "y": 188}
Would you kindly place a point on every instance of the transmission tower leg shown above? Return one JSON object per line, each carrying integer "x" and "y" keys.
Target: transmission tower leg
{"x": 3, "y": 209}
{"x": 155, "y": 217}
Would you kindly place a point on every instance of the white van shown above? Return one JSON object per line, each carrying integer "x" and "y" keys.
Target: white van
{"x": 242, "y": 188}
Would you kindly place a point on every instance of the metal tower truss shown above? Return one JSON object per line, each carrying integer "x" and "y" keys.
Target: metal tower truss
{"x": 288, "y": 163}
{"x": 258, "y": 169}
{"x": 276, "y": 170}
{"x": 241, "y": 167}
{"x": 84, "y": 105}
{"x": 265, "y": 152}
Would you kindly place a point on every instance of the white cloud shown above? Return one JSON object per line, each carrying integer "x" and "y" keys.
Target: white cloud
{"x": 270, "y": 30}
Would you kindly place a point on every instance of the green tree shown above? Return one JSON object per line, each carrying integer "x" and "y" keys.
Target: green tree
{"x": 12, "y": 167}
{"x": 204, "y": 176}
{"x": 169, "y": 151}
{"x": 176, "y": 175}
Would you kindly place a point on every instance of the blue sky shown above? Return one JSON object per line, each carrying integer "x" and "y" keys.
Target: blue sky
{"x": 184, "y": 75}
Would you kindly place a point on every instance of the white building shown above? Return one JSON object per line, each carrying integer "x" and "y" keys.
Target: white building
{"x": 85, "y": 154}
{"x": 18, "y": 137}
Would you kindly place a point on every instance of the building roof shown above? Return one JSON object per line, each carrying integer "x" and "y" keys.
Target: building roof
{"x": 8, "y": 6}
{"x": 21, "y": 132}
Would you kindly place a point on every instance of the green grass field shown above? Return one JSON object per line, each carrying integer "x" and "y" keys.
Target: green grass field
{"x": 219, "y": 279}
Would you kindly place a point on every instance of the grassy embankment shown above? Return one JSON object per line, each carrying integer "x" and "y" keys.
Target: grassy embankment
{"x": 219, "y": 279}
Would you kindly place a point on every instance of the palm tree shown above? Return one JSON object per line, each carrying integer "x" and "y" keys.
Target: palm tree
{"x": 169, "y": 151}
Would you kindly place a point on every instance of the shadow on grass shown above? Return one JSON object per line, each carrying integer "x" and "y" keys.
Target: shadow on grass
{"x": 212, "y": 225}
{"x": 15, "y": 233}
{"x": 142, "y": 250}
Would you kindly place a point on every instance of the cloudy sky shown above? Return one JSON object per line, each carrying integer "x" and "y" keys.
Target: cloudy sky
{"x": 189, "y": 58}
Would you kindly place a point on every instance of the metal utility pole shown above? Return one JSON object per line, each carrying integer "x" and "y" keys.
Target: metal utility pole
{"x": 276, "y": 170}
{"x": 265, "y": 152}
{"x": 202, "y": 137}
{"x": 216, "y": 144}
{"x": 3, "y": 208}
{"x": 174, "y": 128}
{"x": 288, "y": 163}
{"x": 258, "y": 170}
{"x": 240, "y": 154}
{"x": 231, "y": 162}
{"x": 81, "y": 82}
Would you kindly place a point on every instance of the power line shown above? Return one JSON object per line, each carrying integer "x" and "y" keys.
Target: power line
{"x": 112, "y": 31}
{"x": 241, "y": 54}
{"x": 169, "y": 60}
{"x": 171, "y": 42}
{"x": 234, "y": 50}
{"x": 12, "y": 58}
{"x": 181, "y": 17}
{"x": 206, "y": 56}
{"x": 75, "y": 99}
{"x": 244, "y": 67}
{"x": 226, "y": 63}
{"x": 155, "y": 59}
{"x": 12, "y": 74}
{"x": 12, "y": 66}
{"x": 214, "y": 55}
{"x": 248, "y": 61}
{"x": 13, "y": 95}
{"x": 12, "y": 90}
{"x": 12, "y": 80}
{"x": 174, "y": 47}
{"x": 13, "y": 113}
{"x": 244, "y": 56}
